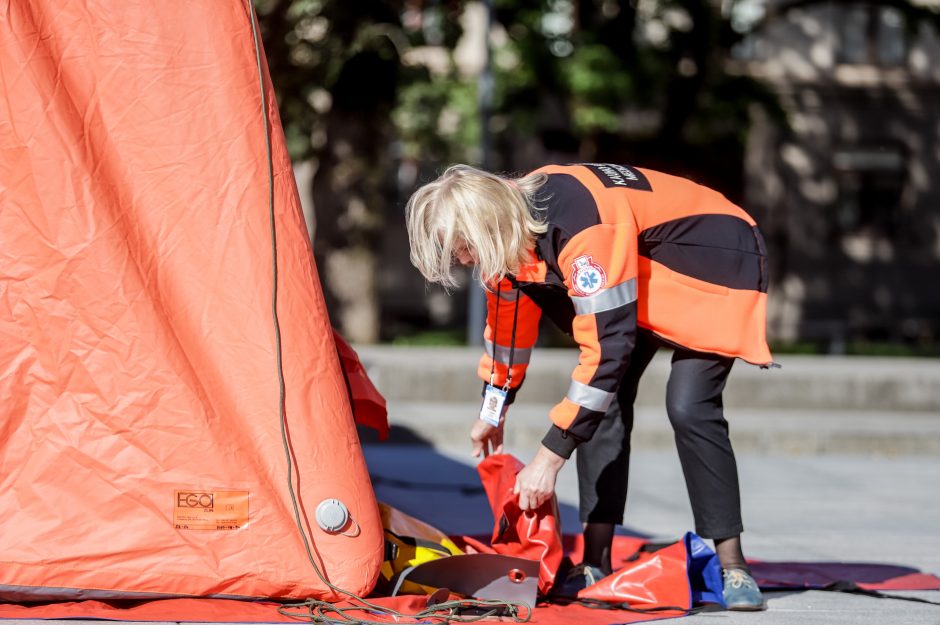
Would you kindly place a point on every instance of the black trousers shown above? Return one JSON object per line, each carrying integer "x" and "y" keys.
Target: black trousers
{"x": 694, "y": 406}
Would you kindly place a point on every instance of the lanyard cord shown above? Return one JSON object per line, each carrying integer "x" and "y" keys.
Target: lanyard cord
{"x": 512, "y": 340}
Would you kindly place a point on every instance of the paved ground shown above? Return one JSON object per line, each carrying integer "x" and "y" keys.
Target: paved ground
{"x": 814, "y": 508}
{"x": 839, "y": 461}
{"x": 821, "y": 507}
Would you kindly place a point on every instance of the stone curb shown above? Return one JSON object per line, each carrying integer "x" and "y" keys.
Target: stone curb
{"x": 447, "y": 425}
{"x": 429, "y": 374}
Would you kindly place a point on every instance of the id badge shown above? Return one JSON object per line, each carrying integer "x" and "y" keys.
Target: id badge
{"x": 492, "y": 408}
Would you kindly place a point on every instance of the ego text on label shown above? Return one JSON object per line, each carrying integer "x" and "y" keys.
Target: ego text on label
{"x": 195, "y": 499}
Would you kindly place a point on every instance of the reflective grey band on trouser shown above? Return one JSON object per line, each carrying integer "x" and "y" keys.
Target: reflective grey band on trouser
{"x": 606, "y": 299}
{"x": 519, "y": 357}
{"x": 589, "y": 397}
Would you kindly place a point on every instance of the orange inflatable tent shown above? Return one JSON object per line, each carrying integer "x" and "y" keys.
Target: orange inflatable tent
{"x": 166, "y": 361}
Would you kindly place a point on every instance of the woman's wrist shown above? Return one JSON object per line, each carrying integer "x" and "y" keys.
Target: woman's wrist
{"x": 549, "y": 458}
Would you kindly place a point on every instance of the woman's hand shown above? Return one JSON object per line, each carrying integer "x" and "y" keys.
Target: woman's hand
{"x": 535, "y": 484}
{"x": 486, "y": 438}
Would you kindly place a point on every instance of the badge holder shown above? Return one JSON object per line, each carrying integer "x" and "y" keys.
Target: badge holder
{"x": 494, "y": 398}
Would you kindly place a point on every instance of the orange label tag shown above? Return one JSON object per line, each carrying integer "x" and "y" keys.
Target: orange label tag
{"x": 210, "y": 510}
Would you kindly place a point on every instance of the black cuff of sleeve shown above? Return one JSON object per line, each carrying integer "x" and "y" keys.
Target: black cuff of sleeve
{"x": 560, "y": 441}
{"x": 510, "y": 394}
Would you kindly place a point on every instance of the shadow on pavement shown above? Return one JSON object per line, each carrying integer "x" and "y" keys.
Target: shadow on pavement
{"x": 438, "y": 487}
{"x": 397, "y": 435}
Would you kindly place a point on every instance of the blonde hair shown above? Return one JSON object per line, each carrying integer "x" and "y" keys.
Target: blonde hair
{"x": 493, "y": 214}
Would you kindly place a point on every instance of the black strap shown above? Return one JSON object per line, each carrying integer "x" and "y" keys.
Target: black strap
{"x": 853, "y": 588}
{"x": 512, "y": 340}
{"x": 597, "y": 604}
{"x": 495, "y": 333}
{"x": 414, "y": 541}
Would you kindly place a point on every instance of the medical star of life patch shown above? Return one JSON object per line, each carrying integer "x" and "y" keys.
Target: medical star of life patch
{"x": 588, "y": 277}
{"x": 614, "y": 176}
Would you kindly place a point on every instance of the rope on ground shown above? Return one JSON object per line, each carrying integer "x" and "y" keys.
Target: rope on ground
{"x": 459, "y": 611}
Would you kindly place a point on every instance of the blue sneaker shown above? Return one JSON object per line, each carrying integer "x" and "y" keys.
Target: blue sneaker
{"x": 578, "y": 578}
{"x": 740, "y": 591}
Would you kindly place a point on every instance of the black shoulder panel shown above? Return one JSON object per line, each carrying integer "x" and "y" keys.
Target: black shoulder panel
{"x": 569, "y": 208}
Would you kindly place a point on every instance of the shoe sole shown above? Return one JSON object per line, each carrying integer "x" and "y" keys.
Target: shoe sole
{"x": 746, "y": 607}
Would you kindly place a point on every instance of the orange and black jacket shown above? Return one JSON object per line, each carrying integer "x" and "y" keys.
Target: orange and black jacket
{"x": 627, "y": 247}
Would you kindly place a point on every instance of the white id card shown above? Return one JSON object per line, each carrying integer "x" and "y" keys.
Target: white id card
{"x": 492, "y": 408}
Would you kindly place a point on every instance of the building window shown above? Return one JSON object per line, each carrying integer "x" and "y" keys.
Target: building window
{"x": 870, "y": 34}
{"x": 871, "y": 181}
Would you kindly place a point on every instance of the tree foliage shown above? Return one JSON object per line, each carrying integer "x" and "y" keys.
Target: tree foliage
{"x": 367, "y": 86}
{"x": 340, "y": 70}
{"x": 641, "y": 81}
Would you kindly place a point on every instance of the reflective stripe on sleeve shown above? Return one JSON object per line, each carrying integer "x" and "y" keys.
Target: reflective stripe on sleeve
{"x": 589, "y": 397}
{"x": 606, "y": 299}
{"x": 509, "y": 295}
{"x": 520, "y": 356}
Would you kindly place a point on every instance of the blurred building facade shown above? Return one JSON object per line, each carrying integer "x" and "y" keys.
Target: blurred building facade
{"x": 849, "y": 194}
{"x": 847, "y": 191}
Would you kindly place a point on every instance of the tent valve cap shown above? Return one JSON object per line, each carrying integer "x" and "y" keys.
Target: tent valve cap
{"x": 332, "y": 515}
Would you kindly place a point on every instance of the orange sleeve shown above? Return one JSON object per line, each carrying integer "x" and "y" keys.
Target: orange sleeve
{"x": 506, "y": 307}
